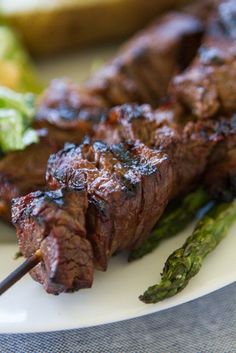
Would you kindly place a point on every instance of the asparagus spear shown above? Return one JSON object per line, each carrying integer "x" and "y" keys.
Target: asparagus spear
{"x": 185, "y": 262}
{"x": 173, "y": 221}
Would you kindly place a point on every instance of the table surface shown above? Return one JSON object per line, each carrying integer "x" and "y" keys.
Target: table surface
{"x": 205, "y": 325}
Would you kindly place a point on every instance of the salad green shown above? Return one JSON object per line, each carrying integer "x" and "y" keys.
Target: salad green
{"x": 16, "y": 114}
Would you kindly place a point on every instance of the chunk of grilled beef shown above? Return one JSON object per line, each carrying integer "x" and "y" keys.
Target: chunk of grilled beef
{"x": 145, "y": 65}
{"x": 128, "y": 186}
{"x": 128, "y": 123}
{"x": 66, "y": 109}
{"x": 120, "y": 180}
{"x": 55, "y": 221}
{"x": 209, "y": 85}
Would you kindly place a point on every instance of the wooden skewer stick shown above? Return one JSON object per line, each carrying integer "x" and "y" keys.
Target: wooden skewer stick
{"x": 18, "y": 273}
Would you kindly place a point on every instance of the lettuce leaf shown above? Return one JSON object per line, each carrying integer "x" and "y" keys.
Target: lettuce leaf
{"x": 16, "y": 115}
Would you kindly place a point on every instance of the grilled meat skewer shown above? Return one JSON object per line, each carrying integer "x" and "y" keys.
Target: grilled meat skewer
{"x": 54, "y": 283}
{"x": 77, "y": 171}
{"x": 107, "y": 198}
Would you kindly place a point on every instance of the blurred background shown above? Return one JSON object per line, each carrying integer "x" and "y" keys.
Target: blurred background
{"x": 52, "y": 26}
{"x": 66, "y": 37}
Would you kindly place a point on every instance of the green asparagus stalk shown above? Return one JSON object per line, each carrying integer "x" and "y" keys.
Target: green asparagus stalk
{"x": 173, "y": 221}
{"x": 185, "y": 262}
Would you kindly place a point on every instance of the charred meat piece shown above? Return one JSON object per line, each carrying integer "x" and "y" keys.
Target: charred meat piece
{"x": 67, "y": 109}
{"x": 128, "y": 186}
{"x": 144, "y": 67}
{"x": 120, "y": 181}
{"x": 209, "y": 85}
{"x": 141, "y": 73}
{"x": 55, "y": 221}
{"x": 161, "y": 130}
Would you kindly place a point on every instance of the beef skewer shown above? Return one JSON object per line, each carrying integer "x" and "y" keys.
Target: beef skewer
{"x": 97, "y": 207}
{"x": 52, "y": 207}
{"x": 83, "y": 283}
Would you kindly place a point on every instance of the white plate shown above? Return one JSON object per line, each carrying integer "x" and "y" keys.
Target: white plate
{"x": 114, "y": 295}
